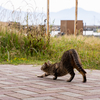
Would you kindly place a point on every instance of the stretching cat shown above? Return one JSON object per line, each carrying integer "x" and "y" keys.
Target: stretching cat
{"x": 69, "y": 61}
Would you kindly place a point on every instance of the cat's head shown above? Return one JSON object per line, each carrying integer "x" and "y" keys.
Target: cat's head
{"x": 45, "y": 66}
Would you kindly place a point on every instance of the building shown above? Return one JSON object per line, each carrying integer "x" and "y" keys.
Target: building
{"x": 67, "y": 26}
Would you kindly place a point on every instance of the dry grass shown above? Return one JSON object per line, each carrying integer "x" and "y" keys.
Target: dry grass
{"x": 88, "y": 48}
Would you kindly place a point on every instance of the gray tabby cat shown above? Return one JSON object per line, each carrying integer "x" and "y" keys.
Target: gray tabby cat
{"x": 69, "y": 61}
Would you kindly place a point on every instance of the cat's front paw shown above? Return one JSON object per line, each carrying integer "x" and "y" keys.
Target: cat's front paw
{"x": 54, "y": 78}
{"x": 40, "y": 76}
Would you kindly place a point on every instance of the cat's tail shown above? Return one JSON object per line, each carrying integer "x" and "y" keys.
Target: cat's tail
{"x": 77, "y": 61}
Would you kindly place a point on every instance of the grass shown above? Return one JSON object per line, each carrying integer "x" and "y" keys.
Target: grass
{"x": 13, "y": 45}
{"x": 88, "y": 49}
{"x": 17, "y": 49}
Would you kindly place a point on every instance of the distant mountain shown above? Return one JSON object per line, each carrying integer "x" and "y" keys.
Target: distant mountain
{"x": 88, "y": 17}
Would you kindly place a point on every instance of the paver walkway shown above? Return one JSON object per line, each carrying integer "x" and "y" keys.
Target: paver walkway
{"x": 21, "y": 83}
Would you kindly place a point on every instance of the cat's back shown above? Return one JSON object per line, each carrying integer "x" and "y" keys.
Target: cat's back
{"x": 66, "y": 57}
{"x": 69, "y": 57}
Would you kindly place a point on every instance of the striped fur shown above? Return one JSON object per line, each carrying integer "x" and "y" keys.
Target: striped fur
{"x": 69, "y": 61}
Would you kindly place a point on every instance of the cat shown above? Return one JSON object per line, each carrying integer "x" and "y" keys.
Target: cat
{"x": 69, "y": 61}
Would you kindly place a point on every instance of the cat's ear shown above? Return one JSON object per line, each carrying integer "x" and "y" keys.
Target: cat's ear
{"x": 45, "y": 63}
{"x": 48, "y": 63}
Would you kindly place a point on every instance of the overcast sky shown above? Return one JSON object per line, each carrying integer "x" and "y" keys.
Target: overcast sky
{"x": 55, "y": 5}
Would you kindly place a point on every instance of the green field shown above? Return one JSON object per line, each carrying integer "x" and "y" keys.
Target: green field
{"x": 19, "y": 49}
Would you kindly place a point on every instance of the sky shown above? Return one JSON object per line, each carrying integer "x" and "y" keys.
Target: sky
{"x": 55, "y": 5}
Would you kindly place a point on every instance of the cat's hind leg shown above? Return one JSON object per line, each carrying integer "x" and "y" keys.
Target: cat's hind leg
{"x": 83, "y": 74}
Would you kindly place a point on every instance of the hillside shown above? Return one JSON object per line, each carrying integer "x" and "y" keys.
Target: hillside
{"x": 88, "y": 17}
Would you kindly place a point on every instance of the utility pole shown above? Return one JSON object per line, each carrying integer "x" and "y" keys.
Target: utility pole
{"x": 75, "y": 26}
{"x": 94, "y": 20}
{"x": 48, "y": 20}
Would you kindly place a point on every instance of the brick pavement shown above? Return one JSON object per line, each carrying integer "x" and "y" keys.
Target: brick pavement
{"x": 21, "y": 83}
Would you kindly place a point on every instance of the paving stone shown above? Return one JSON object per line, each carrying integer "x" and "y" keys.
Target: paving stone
{"x": 98, "y": 83}
{"x": 4, "y": 82}
{"x": 92, "y": 96}
{"x": 45, "y": 95}
{"x": 52, "y": 91}
{"x": 2, "y": 85}
{"x": 36, "y": 86}
{"x": 65, "y": 97}
{"x": 3, "y": 92}
{"x": 44, "y": 84}
{"x": 71, "y": 94}
{"x": 7, "y": 98}
{"x": 92, "y": 99}
{"x": 32, "y": 89}
{"x": 13, "y": 87}
{"x": 18, "y": 95}
{"x": 20, "y": 82}
{"x": 92, "y": 79}
{"x": 3, "y": 79}
{"x": 22, "y": 77}
{"x": 59, "y": 88}
{"x": 94, "y": 91}
{"x": 2, "y": 95}
{"x": 26, "y": 92}
{"x": 83, "y": 85}
{"x": 40, "y": 98}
